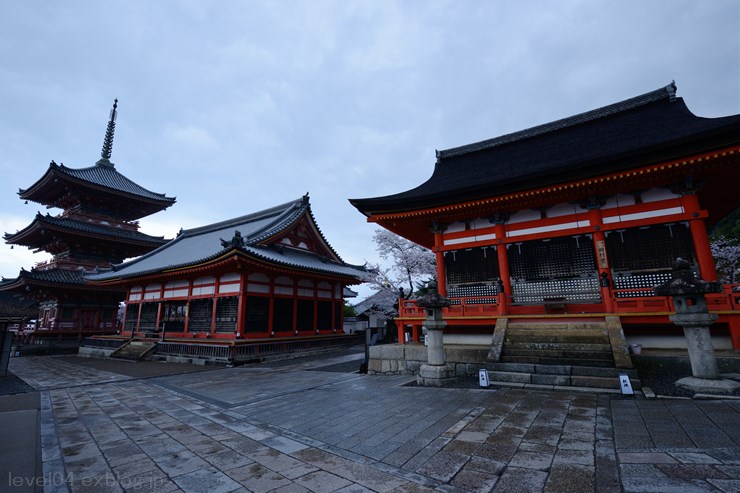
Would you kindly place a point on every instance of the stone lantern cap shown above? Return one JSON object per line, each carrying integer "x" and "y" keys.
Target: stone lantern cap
{"x": 683, "y": 282}
{"x": 433, "y": 299}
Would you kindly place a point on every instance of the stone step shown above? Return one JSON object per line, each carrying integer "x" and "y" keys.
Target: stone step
{"x": 134, "y": 350}
{"x": 560, "y": 380}
{"x": 557, "y": 325}
{"x": 562, "y": 370}
{"x": 575, "y": 333}
{"x": 558, "y": 346}
{"x": 581, "y": 361}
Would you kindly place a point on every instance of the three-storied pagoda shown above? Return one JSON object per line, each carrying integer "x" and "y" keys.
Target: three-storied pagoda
{"x": 580, "y": 217}
{"x": 98, "y": 227}
{"x": 268, "y": 274}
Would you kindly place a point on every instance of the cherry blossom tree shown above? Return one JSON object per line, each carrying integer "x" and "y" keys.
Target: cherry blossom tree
{"x": 726, "y": 253}
{"x": 407, "y": 266}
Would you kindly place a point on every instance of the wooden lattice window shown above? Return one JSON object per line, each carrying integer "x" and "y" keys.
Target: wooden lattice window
{"x": 650, "y": 248}
{"x": 227, "y": 308}
{"x": 305, "y": 315}
{"x": 474, "y": 265}
{"x": 323, "y": 315}
{"x": 200, "y": 314}
{"x": 282, "y": 314}
{"x": 258, "y": 314}
{"x": 555, "y": 258}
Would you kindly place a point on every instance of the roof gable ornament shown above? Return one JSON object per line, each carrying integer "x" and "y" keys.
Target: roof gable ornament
{"x": 671, "y": 90}
{"x": 105, "y": 154}
{"x": 236, "y": 242}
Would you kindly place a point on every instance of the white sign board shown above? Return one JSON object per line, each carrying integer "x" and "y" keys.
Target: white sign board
{"x": 625, "y": 385}
{"x": 483, "y": 378}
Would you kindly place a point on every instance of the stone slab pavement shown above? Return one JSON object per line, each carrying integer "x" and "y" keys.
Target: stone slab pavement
{"x": 294, "y": 428}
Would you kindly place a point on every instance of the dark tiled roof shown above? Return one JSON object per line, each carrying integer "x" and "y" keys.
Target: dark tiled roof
{"x": 51, "y": 276}
{"x": 103, "y": 174}
{"x": 199, "y": 245}
{"x": 653, "y": 127}
{"x": 88, "y": 228}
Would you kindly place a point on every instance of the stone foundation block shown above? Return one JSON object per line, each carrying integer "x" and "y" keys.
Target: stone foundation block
{"x": 551, "y": 379}
{"x": 374, "y": 365}
{"x": 508, "y": 376}
{"x": 415, "y": 353}
{"x": 466, "y": 355}
{"x": 391, "y": 351}
{"x": 552, "y": 370}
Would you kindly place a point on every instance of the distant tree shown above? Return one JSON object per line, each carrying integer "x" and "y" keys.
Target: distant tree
{"x": 349, "y": 310}
{"x": 726, "y": 253}
{"x": 12, "y": 306}
{"x": 409, "y": 265}
{"x": 728, "y": 227}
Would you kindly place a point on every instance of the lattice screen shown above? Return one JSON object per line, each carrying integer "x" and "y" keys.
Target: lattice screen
{"x": 654, "y": 247}
{"x": 476, "y": 265}
{"x": 472, "y": 290}
{"x": 557, "y": 258}
{"x": 148, "y": 317}
{"x": 226, "y": 312}
{"x": 200, "y": 313}
{"x": 579, "y": 290}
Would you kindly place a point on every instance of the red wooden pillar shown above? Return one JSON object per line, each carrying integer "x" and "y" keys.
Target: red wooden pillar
{"x": 440, "y": 261}
{"x": 135, "y": 328}
{"x": 698, "y": 229}
{"x": 602, "y": 259}
{"x": 415, "y": 332}
{"x": 503, "y": 269}
{"x": 241, "y": 313}
{"x": 271, "y": 308}
{"x": 213, "y": 313}
{"x": 159, "y": 314}
{"x": 401, "y": 330}
{"x": 733, "y": 321}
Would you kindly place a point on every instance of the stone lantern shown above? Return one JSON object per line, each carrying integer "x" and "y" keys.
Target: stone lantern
{"x": 436, "y": 372}
{"x": 692, "y": 314}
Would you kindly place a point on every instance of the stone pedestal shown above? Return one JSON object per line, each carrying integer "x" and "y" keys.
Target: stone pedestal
{"x": 693, "y": 316}
{"x": 722, "y": 386}
{"x": 435, "y": 375}
{"x": 699, "y": 343}
{"x": 435, "y": 372}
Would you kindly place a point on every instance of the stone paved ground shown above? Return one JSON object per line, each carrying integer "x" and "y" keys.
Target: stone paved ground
{"x": 286, "y": 429}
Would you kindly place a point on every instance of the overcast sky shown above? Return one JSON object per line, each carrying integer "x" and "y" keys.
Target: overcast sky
{"x": 233, "y": 106}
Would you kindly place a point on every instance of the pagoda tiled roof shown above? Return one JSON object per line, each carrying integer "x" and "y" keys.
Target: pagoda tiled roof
{"x": 646, "y": 129}
{"x": 86, "y": 228}
{"x": 51, "y": 278}
{"x": 200, "y": 245}
{"x": 104, "y": 174}
{"x": 48, "y": 276}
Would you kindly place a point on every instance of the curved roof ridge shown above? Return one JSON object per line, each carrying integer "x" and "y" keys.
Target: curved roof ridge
{"x": 668, "y": 92}
{"x": 277, "y": 210}
{"x": 281, "y": 222}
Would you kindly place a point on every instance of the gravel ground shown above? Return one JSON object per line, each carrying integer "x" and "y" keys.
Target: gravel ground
{"x": 660, "y": 372}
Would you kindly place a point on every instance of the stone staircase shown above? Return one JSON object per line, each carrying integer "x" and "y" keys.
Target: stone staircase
{"x": 567, "y": 353}
{"x": 134, "y": 350}
{"x": 552, "y": 343}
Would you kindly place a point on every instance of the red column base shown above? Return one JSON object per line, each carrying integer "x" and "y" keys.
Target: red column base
{"x": 734, "y": 323}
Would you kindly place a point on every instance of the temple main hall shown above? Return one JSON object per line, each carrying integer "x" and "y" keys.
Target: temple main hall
{"x": 571, "y": 224}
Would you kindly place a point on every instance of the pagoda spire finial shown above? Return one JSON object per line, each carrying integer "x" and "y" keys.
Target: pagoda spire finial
{"x": 108, "y": 142}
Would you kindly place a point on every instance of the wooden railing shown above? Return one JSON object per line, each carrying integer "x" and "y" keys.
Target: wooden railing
{"x": 728, "y": 300}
